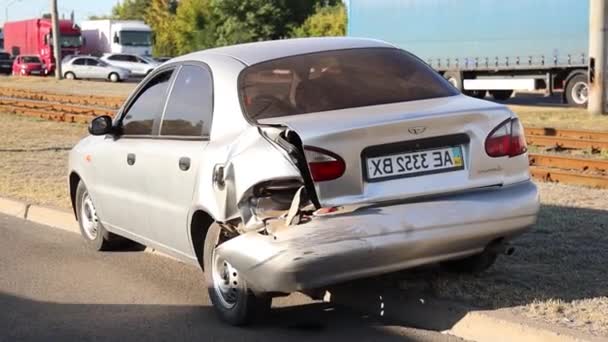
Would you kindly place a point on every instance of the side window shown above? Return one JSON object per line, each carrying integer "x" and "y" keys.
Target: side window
{"x": 141, "y": 60}
{"x": 79, "y": 61}
{"x": 190, "y": 105}
{"x": 114, "y": 58}
{"x": 139, "y": 119}
{"x": 92, "y": 62}
{"x": 131, "y": 58}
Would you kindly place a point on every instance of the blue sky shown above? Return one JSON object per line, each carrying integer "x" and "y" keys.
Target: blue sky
{"x": 26, "y": 9}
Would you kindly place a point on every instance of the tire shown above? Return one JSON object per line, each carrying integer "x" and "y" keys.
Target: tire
{"x": 472, "y": 265}
{"x": 455, "y": 79}
{"x": 91, "y": 229}
{"x": 577, "y": 91}
{"x": 232, "y": 300}
{"x": 478, "y": 94}
{"x": 113, "y": 77}
{"x": 501, "y": 95}
{"x": 70, "y": 75}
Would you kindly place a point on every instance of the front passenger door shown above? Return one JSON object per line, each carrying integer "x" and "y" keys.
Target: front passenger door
{"x": 179, "y": 153}
{"x": 123, "y": 160}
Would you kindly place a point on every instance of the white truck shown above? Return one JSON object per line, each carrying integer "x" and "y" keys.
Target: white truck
{"x": 116, "y": 36}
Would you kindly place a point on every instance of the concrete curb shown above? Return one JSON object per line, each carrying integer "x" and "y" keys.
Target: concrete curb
{"x": 417, "y": 308}
{"x": 413, "y": 309}
{"x": 56, "y": 218}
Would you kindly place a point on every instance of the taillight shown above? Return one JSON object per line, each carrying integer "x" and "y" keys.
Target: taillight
{"x": 507, "y": 139}
{"x": 324, "y": 165}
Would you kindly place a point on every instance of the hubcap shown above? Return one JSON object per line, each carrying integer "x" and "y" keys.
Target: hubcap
{"x": 90, "y": 223}
{"x": 580, "y": 93}
{"x": 226, "y": 282}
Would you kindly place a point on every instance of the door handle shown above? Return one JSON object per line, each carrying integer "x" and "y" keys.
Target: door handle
{"x": 131, "y": 158}
{"x": 184, "y": 163}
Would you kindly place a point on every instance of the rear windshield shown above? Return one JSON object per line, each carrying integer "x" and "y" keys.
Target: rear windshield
{"x": 337, "y": 79}
{"x": 4, "y": 55}
{"x": 30, "y": 59}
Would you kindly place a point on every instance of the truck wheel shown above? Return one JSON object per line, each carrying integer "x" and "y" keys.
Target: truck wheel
{"x": 70, "y": 75}
{"x": 577, "y": 91}
{"x": 114, "y": 77}
{"x": 501, "y": 95}
{"x": 455, "y": 79}
{"x": 478, "y": 94}
{"x": 93, "y": 232}
{"x": 474, "y": 264}
{"x": 233, "y": 301}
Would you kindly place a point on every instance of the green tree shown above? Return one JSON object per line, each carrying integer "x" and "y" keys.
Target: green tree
{"x": 252, "y": 20}
{"x": 194, "y": 26}
{"x": 327, "y": 21}
{"x": 160, "y": 15}
{"x": 130, "y": 9}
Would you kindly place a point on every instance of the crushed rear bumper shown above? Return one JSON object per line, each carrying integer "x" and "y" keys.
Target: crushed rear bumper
{"x": 376, "y": 240}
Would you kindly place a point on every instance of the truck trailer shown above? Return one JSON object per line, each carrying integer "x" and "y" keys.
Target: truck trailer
{"x": 488, "y": 46}
{"x": 35, "y": 37}
{"x": 117, "y": 36}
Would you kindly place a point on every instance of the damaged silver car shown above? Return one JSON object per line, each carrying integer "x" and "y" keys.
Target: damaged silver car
{"x": 294, "y": 165}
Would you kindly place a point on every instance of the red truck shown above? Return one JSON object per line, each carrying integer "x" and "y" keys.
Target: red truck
{"x": 34, "y": 37}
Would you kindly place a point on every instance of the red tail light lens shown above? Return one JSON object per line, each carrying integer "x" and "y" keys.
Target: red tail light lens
{"x": 507, "y": 139}
{"x": 324, "y": 165}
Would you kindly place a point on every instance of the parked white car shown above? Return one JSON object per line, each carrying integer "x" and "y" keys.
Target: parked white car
{"x": 294, "y": 165}
{"x": 90, "y": 67}
{"x": 137, "y": 65}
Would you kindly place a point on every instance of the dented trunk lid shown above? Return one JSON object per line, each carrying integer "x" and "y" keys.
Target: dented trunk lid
{"x": 456, "y": 123}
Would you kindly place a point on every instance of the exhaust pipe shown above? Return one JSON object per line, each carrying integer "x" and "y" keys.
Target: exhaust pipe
{"x": 500, "y": 247}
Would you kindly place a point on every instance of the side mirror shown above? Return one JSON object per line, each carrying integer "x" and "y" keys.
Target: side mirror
{"x": 116, "y": 39}
{"x": 101, "y": 125}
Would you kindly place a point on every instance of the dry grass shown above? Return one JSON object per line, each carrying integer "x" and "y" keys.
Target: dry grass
{"x": 559, "y": 117}
{"x": 558, "y": 273}
{"x": 50, "y": 84}
{"x": 33, "y": 159}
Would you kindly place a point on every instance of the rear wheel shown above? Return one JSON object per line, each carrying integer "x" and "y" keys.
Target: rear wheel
{"x": 70, "y": 75}
{"x": 93, "y": 232}
{"x": 501, "y": 95}
{"x": 114, "y": 77}
{"x": 577, "y": 91}
{"x": 234, "y": 302}
{"x": 473, "y": 264}
{"x": 479, "y": 94}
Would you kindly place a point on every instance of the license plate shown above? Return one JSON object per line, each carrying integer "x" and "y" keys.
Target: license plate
{"x": 412, "y": 164}
{"x": 35, "y": 72}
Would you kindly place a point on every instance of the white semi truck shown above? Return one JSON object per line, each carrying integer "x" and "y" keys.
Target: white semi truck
{"x": 116, "y": 36}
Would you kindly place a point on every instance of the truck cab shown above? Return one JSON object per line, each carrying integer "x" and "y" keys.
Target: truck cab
{"x": 117, "y": 36}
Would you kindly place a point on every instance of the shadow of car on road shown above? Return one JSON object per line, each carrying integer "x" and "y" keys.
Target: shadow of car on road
{"x": 25, "y": 319}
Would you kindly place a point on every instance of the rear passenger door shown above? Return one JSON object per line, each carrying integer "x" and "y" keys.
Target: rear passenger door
{"x": 178, "y": 154}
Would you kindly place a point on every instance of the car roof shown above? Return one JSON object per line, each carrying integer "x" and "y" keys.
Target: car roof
{"x": 253, "y": 53}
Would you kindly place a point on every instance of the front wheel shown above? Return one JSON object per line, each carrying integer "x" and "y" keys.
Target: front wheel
{"x": 93, "y": 232}
{"x": 232, "y": 299}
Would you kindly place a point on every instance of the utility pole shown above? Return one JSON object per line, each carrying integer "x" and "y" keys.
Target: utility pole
{"x": 597, "y": 56}
{"x": 56, "y": 38}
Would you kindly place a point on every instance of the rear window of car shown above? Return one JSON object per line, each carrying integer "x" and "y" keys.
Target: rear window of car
{"x": 30, "y": 59}
{"x": 339, "y": 79}
{"x": 4, "y": 55}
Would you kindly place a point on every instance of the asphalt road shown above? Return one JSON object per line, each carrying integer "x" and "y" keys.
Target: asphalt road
{"x": 53, "y": 288}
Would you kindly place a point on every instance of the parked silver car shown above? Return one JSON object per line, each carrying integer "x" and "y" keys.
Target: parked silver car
{"x": 92, "y": 68}
{"x": 138, "y": 65}
{"x": 293, "y": 165}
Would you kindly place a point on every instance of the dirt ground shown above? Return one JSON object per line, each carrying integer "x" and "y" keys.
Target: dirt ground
{"x": 49, "y": 84}
{"x": 33, "y": 159}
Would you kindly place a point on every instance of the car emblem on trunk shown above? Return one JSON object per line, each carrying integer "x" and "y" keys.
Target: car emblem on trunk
{"x": 416, "y": 130}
